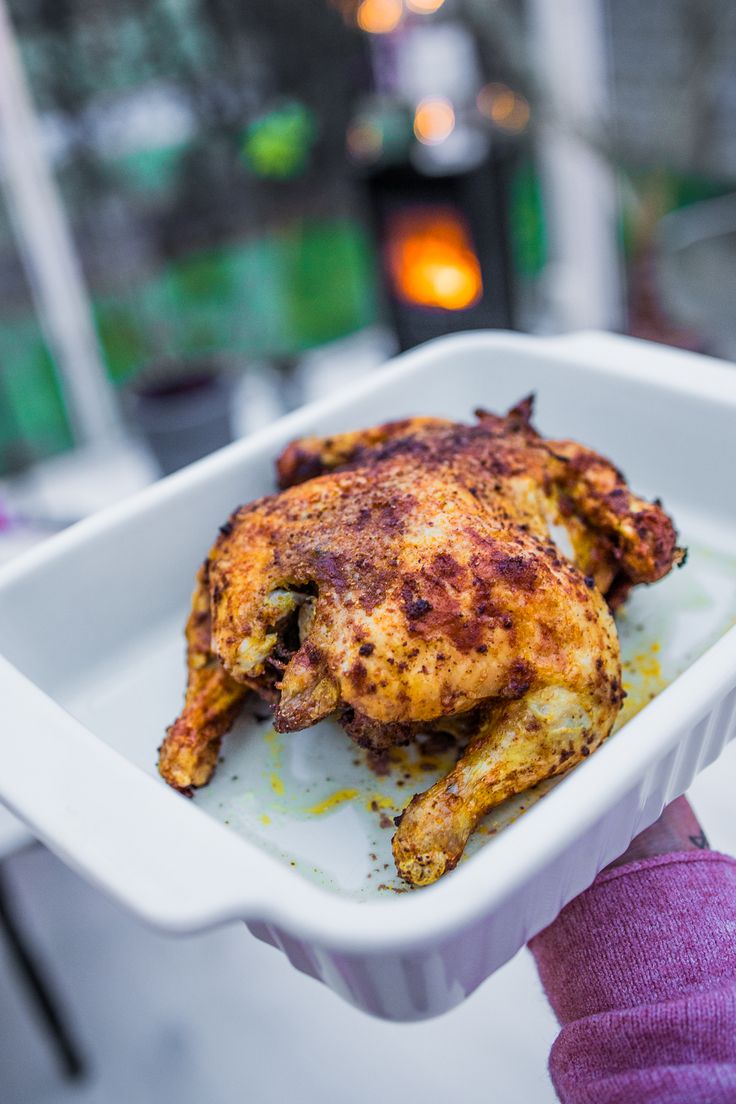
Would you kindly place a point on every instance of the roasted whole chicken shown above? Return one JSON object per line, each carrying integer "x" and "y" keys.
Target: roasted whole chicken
{"x": 426, "y": 575}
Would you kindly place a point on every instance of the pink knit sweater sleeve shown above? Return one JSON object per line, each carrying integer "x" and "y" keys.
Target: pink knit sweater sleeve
{"x": 641, "y": 972}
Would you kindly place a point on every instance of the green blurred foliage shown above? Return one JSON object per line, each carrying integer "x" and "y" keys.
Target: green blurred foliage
{"x": 31, "y": 405}
{"x": 274, "y": 296}
{"x": 304, "y": 285}
{"x": 278, "y": 144}
{"x": 199, "y": 153}
{"x": 527, "y": 231}
{"x": 151, "y": 172}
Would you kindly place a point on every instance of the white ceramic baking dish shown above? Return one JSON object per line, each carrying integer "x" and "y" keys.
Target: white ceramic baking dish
{"x": 293, "y": 836}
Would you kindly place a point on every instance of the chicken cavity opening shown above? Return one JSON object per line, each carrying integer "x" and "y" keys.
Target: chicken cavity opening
{"x": 297, "y": 607}
{"x": 289, "y": 613}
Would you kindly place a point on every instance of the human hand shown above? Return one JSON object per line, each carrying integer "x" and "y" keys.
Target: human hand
{"x": 677, "y": 829}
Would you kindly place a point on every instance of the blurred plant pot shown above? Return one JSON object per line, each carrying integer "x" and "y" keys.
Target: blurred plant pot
{"x": 183, "y": 412}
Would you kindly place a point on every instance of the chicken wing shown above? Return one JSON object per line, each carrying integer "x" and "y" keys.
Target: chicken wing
{"x": 188, "y": 755}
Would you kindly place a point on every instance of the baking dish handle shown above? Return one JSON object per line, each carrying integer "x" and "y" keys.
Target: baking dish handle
{"x": 135, "y": 838}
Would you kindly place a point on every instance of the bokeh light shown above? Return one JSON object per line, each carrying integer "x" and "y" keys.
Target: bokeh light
{"x": 434, "y": 120}
{"x": 432, "y": 261}
{"x": 424, "y": 7}
{"x": 379, "y": 16}
{"x": 506, "y": 109}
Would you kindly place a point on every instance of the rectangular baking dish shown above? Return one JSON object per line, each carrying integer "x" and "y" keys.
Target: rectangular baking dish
{"x": 291, "y": 837}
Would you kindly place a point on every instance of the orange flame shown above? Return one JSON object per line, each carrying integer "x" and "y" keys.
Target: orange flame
{"x": 431, "y": 260}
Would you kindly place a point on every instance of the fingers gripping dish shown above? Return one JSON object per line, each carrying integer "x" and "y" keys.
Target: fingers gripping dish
{"x": 409, "y": 578}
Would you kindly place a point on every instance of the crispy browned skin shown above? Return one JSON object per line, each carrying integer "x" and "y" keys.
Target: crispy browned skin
{"x": 405, "y": 576}
{"x": 188, "y": 755}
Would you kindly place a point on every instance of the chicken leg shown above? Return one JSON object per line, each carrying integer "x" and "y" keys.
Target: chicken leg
{"x": 522, "y": 742}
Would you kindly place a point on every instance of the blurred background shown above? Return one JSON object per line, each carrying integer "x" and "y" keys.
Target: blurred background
{"x": 212, "y": 211}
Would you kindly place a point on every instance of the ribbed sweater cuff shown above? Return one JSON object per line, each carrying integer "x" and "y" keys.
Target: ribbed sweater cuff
{"x": 656, "y": 929}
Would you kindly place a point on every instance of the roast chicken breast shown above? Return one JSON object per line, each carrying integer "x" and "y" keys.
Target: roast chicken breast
{"x": 422, "y": 575}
